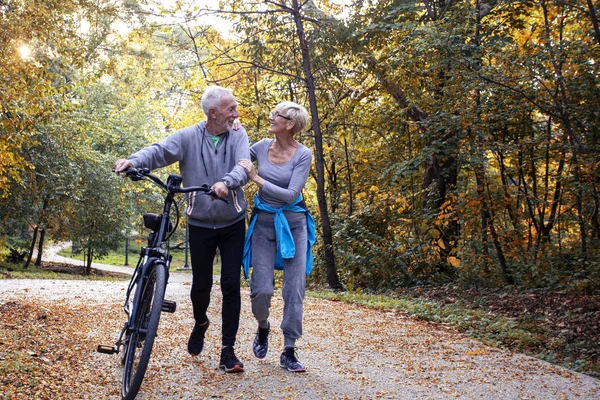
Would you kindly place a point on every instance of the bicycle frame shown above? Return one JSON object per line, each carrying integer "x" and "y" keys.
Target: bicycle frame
{"x": 153, "y": 256}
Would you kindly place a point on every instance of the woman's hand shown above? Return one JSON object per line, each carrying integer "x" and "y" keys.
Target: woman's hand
{"x": 249, "y": 167}
{"x": 237, "y": 124}
{"x": 251, "y": 171}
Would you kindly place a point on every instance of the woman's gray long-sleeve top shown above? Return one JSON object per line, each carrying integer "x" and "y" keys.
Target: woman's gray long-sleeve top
{"x": 283, "y": 183}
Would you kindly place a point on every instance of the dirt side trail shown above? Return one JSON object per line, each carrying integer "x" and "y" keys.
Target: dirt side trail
{"x": 49, "y": 331}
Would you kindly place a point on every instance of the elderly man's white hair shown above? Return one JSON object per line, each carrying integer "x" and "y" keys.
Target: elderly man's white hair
{"x": 211, "y": 97}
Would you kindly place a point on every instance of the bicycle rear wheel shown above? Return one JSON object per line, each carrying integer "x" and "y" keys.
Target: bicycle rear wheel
{"x": 140, "y": 340}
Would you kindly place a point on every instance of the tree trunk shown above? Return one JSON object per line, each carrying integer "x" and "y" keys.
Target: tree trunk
{"x": 595, "y": 217}
{"x": 488, "y": 223}
{"x": 566, "y": 118}
{"x": 514, "y": 220}
{"x": 480, "y": 173}
{"x": 528, "y": 199}
{"x": 88, "y": 261}
{"x": 334, "y": 194}
{"x": 596, "y": 214}
{"x": 579, "y": 197}
{"x": 441, "y": 171}
{"x": 31, "y": 248}
{"x": 329, "y": 256}
{"x": 547, "y": 227}
{"x": 40, "y": 222}
{"x": 38, "y": 260}
{"x": 592, "y": 11}
{"x": 349, "y": 174}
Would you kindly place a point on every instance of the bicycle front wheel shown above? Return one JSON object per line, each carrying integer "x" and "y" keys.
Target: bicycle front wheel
{"x": 140, "y": 340}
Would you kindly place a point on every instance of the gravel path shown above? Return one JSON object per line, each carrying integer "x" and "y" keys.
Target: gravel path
{"x": 351, "y": 352}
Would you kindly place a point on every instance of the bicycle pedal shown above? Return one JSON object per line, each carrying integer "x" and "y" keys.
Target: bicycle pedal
{"x": 106, "y": 349}
{"x": 169, "y": 306}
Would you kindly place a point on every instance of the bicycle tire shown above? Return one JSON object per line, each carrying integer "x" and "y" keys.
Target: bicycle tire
{"x": 124, "y": 351}
{"x": 139, "y": 347}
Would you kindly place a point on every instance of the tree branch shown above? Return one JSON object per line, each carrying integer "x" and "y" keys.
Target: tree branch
{"x": 445, "y": 9}
{"x": 282, "y": 6}
{"x": 520, "y": 92}
{"x": 429, "y": 10}
{"x": 256, "y": 65}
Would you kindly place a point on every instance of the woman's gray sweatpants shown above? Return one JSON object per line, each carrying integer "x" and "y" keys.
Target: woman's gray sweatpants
{"x": 294, "y": 274}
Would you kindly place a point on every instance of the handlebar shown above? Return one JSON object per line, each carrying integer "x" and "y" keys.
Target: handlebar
{"x": 162, "y": 229}
{"x": 173, "y": 183}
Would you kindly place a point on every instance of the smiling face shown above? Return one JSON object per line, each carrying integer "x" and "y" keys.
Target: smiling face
{"x": 279, "y": 122}
{"x": 223, "y": 115}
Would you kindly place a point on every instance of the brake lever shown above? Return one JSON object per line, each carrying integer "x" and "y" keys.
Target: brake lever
{"x": 134, "y": 175}
{"x": 131, "y": 173}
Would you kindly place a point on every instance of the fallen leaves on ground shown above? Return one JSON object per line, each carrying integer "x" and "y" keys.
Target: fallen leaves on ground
{"x": 48, "y": 351}
{"x": 568, "y": 324}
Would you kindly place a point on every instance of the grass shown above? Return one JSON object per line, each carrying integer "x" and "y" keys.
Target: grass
{"x": 117, "y": 258}
{"x": 17, "y": 271}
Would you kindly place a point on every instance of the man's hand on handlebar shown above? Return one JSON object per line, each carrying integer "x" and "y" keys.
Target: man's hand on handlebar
{"x": 218, "y": 191}
{"x": 221, "y": 190}
{"x": 121, "y": 165}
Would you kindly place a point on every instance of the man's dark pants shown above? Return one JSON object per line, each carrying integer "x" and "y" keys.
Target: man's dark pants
{"x": 203, "y": 246}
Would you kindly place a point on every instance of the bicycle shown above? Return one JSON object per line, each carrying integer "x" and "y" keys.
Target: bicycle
{"x": 144, "y": 299}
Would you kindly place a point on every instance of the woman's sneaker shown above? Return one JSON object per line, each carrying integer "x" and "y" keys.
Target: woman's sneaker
{"x": 229, "y": 362}
{"x": 261, "y": 342}
{"x": 288, "y": 360}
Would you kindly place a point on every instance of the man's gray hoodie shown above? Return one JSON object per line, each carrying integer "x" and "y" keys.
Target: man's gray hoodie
{"x": 200, "y": 162}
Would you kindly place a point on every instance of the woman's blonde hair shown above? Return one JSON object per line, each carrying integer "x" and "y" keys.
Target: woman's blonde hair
{"x": 296, "y": 112}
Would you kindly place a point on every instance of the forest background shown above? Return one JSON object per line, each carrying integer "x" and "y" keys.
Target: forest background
{"x": 454, "y": 141}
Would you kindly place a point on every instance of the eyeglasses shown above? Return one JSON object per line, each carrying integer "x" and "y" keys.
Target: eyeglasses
{"x": 276, "y": 114}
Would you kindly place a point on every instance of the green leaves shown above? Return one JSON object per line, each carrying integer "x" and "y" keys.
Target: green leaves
{"x": 411, "y": 105}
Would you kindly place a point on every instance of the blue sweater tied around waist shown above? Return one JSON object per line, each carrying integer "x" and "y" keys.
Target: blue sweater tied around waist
{"x": 286, "y": 248}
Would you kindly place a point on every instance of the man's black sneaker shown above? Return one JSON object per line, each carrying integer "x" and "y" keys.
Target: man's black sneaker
{"x": 288, "y": 360}
{"x": 196, "y": 341}
{"x": 261, "y": 342}
{"x": 229, "y": 362}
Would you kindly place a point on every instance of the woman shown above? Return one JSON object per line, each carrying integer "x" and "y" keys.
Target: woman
{"x": 281, "y": 231}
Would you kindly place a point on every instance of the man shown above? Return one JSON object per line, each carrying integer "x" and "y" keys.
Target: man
{"x": 209, "y": 153}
